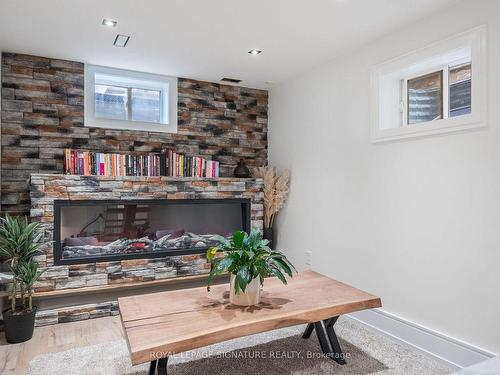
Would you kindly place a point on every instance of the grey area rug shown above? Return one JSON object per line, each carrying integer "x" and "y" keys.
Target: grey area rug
{"x": 277, "y": 352}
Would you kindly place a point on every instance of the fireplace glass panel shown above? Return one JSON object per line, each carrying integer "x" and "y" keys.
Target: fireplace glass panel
{"x": 94, "y": 231}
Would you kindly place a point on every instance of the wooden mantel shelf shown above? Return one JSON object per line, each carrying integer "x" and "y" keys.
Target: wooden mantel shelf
{"x": 121, "y": 286}
{"x": 58, "y": 176}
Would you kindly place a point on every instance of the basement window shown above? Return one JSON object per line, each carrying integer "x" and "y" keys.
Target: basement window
{"x": 438, "y": 95}
{"x": 121, "y": 99}
{"x": 434, "y": 90}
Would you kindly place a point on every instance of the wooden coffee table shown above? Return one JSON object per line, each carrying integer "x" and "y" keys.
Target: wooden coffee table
{"x": 161, "y": 324}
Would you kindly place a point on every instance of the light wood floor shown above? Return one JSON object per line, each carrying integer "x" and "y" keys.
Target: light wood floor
{"x": 14, "y": 359}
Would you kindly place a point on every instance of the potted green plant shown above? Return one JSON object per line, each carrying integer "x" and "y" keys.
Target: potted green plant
{"x": 249, "y": 259}
{"x": 20, "y": 241}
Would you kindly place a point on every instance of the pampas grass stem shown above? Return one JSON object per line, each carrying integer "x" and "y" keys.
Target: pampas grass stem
{"x": 276, "y": 189}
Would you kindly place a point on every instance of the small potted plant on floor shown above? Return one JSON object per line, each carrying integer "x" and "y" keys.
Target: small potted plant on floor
{"x": 249, "y": 259}
{"x": 20, "y": 241}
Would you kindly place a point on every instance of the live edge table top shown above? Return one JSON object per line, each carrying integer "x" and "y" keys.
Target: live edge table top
{"x": 181, "y": 320}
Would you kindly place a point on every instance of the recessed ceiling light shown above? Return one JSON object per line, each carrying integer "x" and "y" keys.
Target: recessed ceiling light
{"x": 121, "y": 40}
{"x": 109, "y": 22}
{"x": 255, "y": 51}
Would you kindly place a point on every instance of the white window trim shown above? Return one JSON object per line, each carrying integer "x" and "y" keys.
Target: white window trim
{"x": 475, "y": 39}
{"x": 166, "y": 84}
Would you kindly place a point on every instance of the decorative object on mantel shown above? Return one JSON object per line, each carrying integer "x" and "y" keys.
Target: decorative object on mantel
{"x": 249, "y": 259}
{"x": 276, "y": 189}
{"x": 20, "y": 241}
{"x": 241, "y": 170}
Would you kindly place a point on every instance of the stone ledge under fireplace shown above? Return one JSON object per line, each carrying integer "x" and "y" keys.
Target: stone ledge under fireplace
{"x": 70, "y": 305}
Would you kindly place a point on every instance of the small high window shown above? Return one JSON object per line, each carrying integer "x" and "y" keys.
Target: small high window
{"x": 121, "y": 99}
{"x": 438, "y": 95}
{"x": 440, "y": 88}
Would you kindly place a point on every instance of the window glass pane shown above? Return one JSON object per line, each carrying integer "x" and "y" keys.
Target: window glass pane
{"x": 425, "y": 98}
{"x": 460, "y": 90}
{"x": 146, "y": 105}
{"x": 111, "y": 102}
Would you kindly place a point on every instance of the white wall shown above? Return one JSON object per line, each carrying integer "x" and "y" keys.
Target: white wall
{"x": 416, "y": 222}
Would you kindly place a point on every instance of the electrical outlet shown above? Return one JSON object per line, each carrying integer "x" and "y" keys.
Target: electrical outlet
{"x": 309, "y": 258}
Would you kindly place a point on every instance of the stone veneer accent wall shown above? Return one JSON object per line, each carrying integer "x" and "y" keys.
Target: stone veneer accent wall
{"x": 45, "y": 188}
{"x": 42, "y": 114}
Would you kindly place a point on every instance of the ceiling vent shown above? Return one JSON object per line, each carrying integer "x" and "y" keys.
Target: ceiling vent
{"x": 121, "y": 40}
{"x": 230, "y": 80}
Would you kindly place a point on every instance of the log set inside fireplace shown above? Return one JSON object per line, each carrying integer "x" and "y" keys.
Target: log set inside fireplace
{"x": 92, "y": 231}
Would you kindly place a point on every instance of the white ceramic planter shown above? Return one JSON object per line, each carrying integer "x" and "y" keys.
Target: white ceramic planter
{"x": 251, "y": 295}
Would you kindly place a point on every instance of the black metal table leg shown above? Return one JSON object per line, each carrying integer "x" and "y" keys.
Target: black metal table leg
{"x": 308, "y": 331}
{"x": 319, "y": 327}
{"x": 327, "y": 339}
{"x": 158, "y": 366}
{"x": 334, "y": 342}
{"x": 162, "y": 366}
{"x": 152, "y": 367}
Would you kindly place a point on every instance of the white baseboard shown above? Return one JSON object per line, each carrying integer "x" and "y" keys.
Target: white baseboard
{"x": 454, "y": 352}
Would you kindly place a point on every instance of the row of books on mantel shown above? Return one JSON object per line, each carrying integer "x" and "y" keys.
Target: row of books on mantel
{"x": 179, "y": 165}
{"x": 167, "y": 163}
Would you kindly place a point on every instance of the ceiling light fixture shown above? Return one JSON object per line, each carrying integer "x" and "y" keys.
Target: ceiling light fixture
{"x": 255, "y": 51}
{"x": 121, "y": 40}
{"x": 109, "y": 22}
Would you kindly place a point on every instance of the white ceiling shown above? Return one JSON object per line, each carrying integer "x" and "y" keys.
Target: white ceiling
{"x": 205, "y": 39}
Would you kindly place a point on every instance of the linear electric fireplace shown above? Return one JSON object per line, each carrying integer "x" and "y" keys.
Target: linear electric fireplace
{"x": 107, "y": 230}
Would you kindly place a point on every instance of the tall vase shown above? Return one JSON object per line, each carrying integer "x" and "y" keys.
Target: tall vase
{"x": 251, "y": 295}
{"x": 269, "y": 235}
